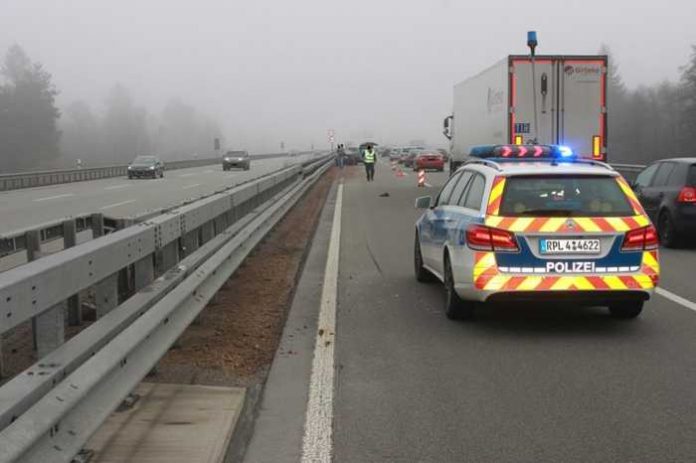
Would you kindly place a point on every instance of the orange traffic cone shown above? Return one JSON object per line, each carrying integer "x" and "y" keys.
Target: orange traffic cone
{"x": 421, "y": 178}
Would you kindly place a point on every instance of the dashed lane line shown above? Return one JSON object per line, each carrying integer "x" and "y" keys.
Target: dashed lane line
{"x": 122, "y": 203}
{"x": 49, "y": 198}
{"x": 187, "y": 187}
{"x": 317, "y": 444}
{"x": 117, "y": 187}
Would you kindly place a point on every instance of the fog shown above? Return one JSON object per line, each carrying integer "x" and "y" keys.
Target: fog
{"x": 275, "y": 70}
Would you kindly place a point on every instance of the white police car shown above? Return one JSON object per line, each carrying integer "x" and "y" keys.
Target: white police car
{"x": 532, "y": 223}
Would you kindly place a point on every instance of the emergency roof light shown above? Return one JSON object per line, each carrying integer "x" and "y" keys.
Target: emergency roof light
{"x": 512, "y": 152}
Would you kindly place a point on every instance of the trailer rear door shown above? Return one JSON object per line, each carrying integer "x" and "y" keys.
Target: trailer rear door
{"x": 571, "y": 102}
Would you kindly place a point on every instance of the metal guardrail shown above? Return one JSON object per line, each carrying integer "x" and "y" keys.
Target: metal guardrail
{"x": 630, "y": 171}
{"x": 48, "y": 412}
{"x": 15, "y": 181}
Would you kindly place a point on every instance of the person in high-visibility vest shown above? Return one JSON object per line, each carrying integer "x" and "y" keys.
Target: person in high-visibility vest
{"x": 369, "y": 159}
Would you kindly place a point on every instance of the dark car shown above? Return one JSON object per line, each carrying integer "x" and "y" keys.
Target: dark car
{"x": 236, "y": 159}
{"x": 410, "y": 156}
{"x": 667, "y": 191}
{"x": 352, "y": 156}
{"x": 146, "y": 167}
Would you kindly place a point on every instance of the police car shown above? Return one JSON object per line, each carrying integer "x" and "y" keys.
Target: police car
{"x": 536, "y": 223}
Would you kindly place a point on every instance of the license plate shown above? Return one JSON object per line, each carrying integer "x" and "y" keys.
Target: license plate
{"x": 569, "y": 246}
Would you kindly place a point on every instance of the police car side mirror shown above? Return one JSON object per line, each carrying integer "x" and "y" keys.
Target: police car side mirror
{"x": 424, "y": 202}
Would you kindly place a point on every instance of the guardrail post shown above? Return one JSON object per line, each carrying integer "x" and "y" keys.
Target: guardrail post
{"x": 220, "y": 223}
{"x": 207, "y": 231}
{"x": 97, "y": 225}
{"x": 167, "y": 257}
{"x": 190, "y": 242}
{"x": 48, "y": 327}
{"x": 106, "y": 295}
{"x": 144, "y": 273}
{"x": 74, "y": 304}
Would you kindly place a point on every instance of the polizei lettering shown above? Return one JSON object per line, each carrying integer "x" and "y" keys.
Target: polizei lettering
{"x": 570, "y": 267}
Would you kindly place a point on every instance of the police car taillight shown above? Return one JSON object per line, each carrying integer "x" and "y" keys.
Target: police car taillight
{"x": 641, "y": 239}
{"x": 483, "y": 238}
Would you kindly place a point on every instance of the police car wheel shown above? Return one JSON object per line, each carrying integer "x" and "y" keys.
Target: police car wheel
{"x": 422, "y": 274}
{"x": 456, "y": 308}
{"x": 626, "y": 309}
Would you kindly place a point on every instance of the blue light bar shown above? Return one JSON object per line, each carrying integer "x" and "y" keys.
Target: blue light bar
{"x": 514, "y": 152}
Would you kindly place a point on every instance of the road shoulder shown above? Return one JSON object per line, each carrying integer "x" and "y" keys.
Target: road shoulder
{"x": 279, "y": 425}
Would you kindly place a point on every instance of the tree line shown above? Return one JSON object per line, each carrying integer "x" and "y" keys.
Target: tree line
{"x": 651, "y": 122}
{"x": 35, "y": 134}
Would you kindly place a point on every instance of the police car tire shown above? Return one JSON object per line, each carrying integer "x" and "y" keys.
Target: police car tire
{"x": 456, "y": 308}
{"x": 422, "y": 274}
{"x": 626, "y": 309}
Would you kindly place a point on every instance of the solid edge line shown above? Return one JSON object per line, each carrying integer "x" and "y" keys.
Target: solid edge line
{"x": 675, "y": 298}
{"x": 317, "y": 443}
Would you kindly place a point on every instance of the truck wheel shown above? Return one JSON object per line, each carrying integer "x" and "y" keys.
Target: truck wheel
{"x": 422, "y": 274}
{"x": 456, "y": 308}
{"x": 626, "y": 309}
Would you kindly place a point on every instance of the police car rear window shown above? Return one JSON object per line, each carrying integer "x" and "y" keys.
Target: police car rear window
{"x": 564, "y": 196}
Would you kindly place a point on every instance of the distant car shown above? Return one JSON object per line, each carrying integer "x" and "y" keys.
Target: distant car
{"x": 429, "y": 159}
{"x": 667, "y": 191}
{"x": 408, "y": 159}
{"x": 146, "y": 166}
{"x": 236, "y": 159}
{"x": 353, "y": 156}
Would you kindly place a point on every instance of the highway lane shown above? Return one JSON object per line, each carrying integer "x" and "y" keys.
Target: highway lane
{"x": 120, "y": 197}
{"x": 519, "y": 384}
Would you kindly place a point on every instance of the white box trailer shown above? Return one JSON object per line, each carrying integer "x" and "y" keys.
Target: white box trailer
{"x": 497, "y": 106}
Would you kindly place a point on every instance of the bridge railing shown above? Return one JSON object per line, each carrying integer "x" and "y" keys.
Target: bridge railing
{"x": 171, "y": 266}
{"x": 19, "y": 180}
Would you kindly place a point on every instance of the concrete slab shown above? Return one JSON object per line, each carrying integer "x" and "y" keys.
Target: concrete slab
{"x": 171, "y": 423}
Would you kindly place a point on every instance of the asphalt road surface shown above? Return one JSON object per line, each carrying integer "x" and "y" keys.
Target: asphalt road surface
{"x": 120, "y": 197}
{"x": 519, "y": 384}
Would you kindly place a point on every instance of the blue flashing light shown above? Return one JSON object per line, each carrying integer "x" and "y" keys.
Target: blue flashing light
{"x": 532, "y": 39}
{"x": 565, "y": 152}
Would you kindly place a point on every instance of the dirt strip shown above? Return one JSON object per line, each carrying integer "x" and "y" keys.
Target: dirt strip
{"x": 236, "y": 336}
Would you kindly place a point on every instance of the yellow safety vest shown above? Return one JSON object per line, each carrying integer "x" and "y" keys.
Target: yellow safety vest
{"x": 370, "y": 157}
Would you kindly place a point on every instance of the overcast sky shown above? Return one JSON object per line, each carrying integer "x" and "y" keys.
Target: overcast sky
{"x": 272, "y": 70}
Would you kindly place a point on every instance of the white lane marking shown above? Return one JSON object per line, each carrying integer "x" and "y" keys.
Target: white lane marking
{"x": 118, "y": 187}
{"x": 191, "y": 186}
{"x": 317, "y": 444}
{"x": 188, "y": 175}
{"x": 209, "y": 171}
{"x": 674, "y": 298}
{"x": 48, "y": 198}
{"x": 122, "y": 203}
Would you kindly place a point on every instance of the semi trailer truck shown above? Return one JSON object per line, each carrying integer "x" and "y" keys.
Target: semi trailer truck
{"x": 559, "y": 100}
